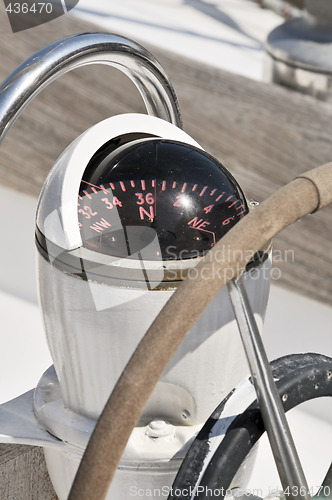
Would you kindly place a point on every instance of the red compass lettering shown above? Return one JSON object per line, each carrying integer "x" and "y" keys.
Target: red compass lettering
{"x": 157, "y": 189}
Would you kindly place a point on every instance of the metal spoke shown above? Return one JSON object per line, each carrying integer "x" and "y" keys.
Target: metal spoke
{"x": 285, "y": 455}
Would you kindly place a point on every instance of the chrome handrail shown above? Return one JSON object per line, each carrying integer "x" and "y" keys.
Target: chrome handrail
{"x": 75, "y": 51}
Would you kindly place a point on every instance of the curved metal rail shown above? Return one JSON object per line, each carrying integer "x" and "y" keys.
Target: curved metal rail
{"x": 75, "y": 51}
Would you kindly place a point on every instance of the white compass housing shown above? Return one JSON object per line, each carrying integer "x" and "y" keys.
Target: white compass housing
{"x": 57, "y": 216}
{"x": 93, "y": 324}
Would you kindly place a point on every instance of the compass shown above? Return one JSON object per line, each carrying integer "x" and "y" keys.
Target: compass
{"x": 156, "y": 190}
{"x": 135, "y": 200}
{"x": 127, "y": 212}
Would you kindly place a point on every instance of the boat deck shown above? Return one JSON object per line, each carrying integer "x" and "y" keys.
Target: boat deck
{"x": 264, "y": 134}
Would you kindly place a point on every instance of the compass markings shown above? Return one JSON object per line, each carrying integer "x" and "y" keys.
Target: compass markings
{"x": 232, "y": 204}
{"x": 87, "y": 194}
{"x": 102, "y": 187}
{"x": 220, "y": 196}
{"x": 94, "y": 187}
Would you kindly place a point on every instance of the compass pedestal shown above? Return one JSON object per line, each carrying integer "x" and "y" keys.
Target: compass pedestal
{"x": 123, "y": 219}
{"x": 206, "y": 367}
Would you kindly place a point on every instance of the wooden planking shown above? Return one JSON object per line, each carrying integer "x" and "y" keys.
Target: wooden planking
{"x": 266, "y": 135}
{"x": 297, "y": 3}
{"x": 23, "y": 474}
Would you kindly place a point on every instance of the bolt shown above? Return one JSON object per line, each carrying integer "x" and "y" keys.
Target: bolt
{"x": 159, "y": 428}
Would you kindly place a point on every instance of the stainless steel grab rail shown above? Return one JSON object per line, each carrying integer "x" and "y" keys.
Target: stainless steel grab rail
{"x": 75, "y": 51}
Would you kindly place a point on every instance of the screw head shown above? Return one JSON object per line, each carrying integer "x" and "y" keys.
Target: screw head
{"x": 159, "y": 428}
